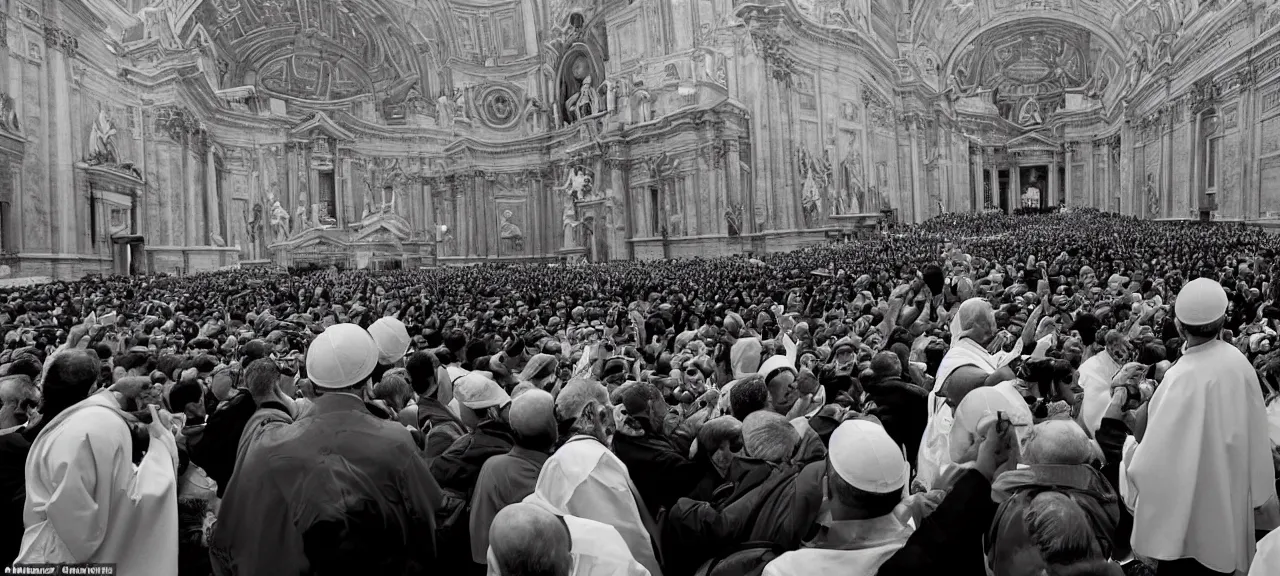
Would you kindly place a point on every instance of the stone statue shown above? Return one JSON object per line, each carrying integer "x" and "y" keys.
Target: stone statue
{"x": 733, "y": 219}
{"x": 509, "y": 233}
{"x": 852, "y": 173}
{"x": 102, "y": 146}
{"x": 575, "y": 188}
{"x": 279, "y": 221}
{"x": 642, "y": 104}
{"x": 300, "y": 218}
{"x": 535, "y": 116}
{"x": 460, "y": 101}
{"x": 585, "y": 103}
{"x": 611, "y": 96}
{"x": 216, "y": 240}
{"x": 578, "y": 185}
{"x": 1153, "y": 197}
{"x": 444, "y": 111}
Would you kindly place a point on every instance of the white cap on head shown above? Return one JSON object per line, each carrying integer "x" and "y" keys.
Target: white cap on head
{"x": 342, "y": 356}
{"x": 865, "y": 457}
{"x": 1202, "y": 301}
{"x": 392, "y": 338}
{"x": 478, "y": 391}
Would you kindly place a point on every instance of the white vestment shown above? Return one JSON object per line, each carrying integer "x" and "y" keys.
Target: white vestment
{"x": 934, "y": 457}
{"x": 88, "y": 503}
{"x": 584, "y": 479}
{"x": 1204, "y": 463}
{"x": 1095, "y": 378}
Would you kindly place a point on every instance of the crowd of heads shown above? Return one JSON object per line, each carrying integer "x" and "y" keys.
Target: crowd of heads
{"x": 717, "y": 355}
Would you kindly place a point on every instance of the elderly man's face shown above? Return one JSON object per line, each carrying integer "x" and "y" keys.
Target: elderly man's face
{"x": 783, "y": 391}
{"x": 19, "y": 399}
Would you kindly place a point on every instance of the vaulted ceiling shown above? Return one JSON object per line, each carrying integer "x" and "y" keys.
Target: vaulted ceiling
{"x": 332, "y": 51}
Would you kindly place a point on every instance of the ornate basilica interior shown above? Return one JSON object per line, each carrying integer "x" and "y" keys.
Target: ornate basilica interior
{"x": 174, "y": 136}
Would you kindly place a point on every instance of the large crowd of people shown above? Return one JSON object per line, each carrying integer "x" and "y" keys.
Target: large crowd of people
{"x": 1068, "y": 394}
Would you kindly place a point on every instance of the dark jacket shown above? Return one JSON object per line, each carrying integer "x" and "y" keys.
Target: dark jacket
{"x": 660, "y": 472}
{"x": 337, "y": 492}
{"x": 14, "y": 448}
{"x": 1007, "y": 539}
{"x": 949, "y": 541}
{"x": 459, "y": 467}
{"x": 781, "y": 512}
{"x": 903, "y": 409}
{"x": 441, "y": 427}
{"x": 1111, "y": 435}
{"x": 215, "y": 451}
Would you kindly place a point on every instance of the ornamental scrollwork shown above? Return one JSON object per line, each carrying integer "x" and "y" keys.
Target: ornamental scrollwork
{"x": 773, "y": 50}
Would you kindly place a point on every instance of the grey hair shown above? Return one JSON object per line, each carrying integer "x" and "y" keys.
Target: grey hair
{"x": 576, "y": 395}
{"x": 1059, "y": 442}
{"x": 1060, "y": 529}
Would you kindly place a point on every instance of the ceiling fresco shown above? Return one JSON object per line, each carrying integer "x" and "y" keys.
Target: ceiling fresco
{"x": 1025, "y": 58}
{"x": 325, "y": 50}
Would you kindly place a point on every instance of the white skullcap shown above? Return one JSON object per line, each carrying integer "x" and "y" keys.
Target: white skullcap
{"x": 981, "y": 405}
{"x": 342, "y": 356}
{"x": 1202, "y": 301}
{"x": 392, "y": 339}
{"x": 865, "y": 457}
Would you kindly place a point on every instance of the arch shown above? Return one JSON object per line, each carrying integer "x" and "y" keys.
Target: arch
{"x": 1053, "y": 16}
{"x": 565, "y": 84}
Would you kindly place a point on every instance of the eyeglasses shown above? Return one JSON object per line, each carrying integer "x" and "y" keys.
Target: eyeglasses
{"x": 693, "y": 372}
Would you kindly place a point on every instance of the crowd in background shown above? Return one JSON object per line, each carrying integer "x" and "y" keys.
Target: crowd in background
{"x": 979, "y": 394}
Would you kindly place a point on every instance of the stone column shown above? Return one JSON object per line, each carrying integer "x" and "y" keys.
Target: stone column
{"x": 733, "y": 184}
{"x": 61, "y": 46}
{"x": 976, "y": 190}
{"x": 1014, "y": 193}
{"x": 917, "y": 202}
{"x": 189, "y": 163}
{"x": 1055, "y": 186}
{"x": 214, "y": 225}
{"x": 993, "y": 176}
{"x": 1069, "y": 161}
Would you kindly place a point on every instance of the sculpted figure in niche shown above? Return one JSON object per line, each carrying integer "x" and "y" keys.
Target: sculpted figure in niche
{"x": 300, "y": 219}
{"x": 611, "y": 96}
{"x": 444, "y": 111}
{"x": 535, "y": 116}
{"x": 643, "y": 103}
{"x": 102, "y": 145}
{"x": 460, "y": 101}
{"x": 584, "y": 103}
{"x": 852, "y": 176}
{"x": 279, "y": 221}
{"x": 509, "y": 233}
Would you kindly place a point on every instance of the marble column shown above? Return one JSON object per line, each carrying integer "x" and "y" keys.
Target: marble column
{"x": 1055, "y": 186}
{"x": 1070, "y": 183}
{"x": 214, "y": 226}
{"x": 977, "y": 171}
{"x": 189, "y": 189}
{"x": 1014, "y": 193}
{"x": 917, "y": 202}
{"x": 733, "y": 184}
{"x": 63, "y": 164}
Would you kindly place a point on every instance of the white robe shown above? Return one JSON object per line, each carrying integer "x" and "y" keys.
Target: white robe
{"x": 584, "y": 479}
{"x": 1267, "y": 561}
{"x": 1204, "y": 464}
{"x": 934, "y": 457}
{"x": 88, "y": 503}
{"x": 597, "y": 548}
{"x": 1095, "y": 378}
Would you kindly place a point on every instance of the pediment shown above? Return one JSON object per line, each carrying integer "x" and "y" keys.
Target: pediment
{"x": 317, "y": 239}
{"x": 322, "y": 123}
{"x": 383, "y": 231}
{"x": 1034, "y": 141}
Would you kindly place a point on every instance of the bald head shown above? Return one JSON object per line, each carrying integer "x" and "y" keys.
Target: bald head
{"x": 1059, "y": 442}
{"x": 526, "y": 540}
{"x": 533, "y": 419}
